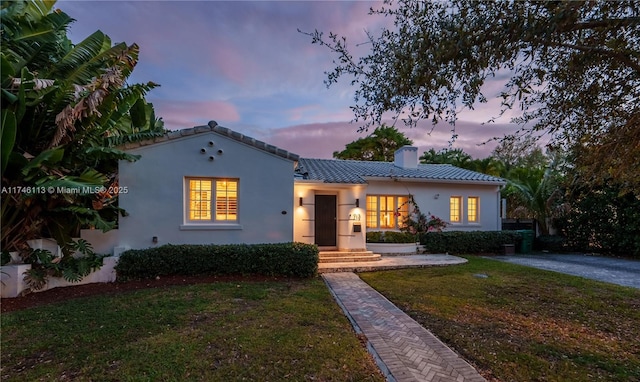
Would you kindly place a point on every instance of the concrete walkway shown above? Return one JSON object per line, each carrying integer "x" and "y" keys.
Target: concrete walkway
{"x": 403, "y": 349}
{"x": 392, "y": 262}
{"x": 611, "y": 270}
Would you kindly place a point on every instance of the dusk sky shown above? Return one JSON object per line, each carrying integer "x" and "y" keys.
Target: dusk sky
{"x": 244, "y": 65}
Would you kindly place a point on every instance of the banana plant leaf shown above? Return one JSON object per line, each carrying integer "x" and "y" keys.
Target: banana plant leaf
{"x": 8, "y": 136}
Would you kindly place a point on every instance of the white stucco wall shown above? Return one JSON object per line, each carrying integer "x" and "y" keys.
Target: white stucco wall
{"x": 102, "y": 242}
{"x": 347, "y": 213}
{"x": 424, "y": 194}
{"x": 350, "y": 215}
{"x": 155, "y": 197}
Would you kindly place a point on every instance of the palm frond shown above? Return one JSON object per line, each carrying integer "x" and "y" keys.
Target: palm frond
{"x": 68, "y": 185}
{"x": 90, "y": 217}
{"x": 46, "y": 157}
{"x": 102, "y": 153}
{"x": 125, "y": 99}
{"x": 83, "y": 62}
{"x": 33, "y": 42}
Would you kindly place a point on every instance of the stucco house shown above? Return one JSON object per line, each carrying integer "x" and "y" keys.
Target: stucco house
{"x": 206, "y": 185}
{"x": 339, "y": 200}
{"x": 210, "y": 184}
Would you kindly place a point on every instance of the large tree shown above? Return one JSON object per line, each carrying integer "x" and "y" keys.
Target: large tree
{"x": 515, "y": 152}
{"x": 455, "y": 157}
{"x": 573, "y": 69}
{"x": 380, "y": 145}
{"x": 65, "y": 108}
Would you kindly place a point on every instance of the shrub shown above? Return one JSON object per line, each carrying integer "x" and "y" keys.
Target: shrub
{"x": 72, "y": 268}
{"x": 375, "y": 237}
{"x": 551, "y": 243}
{"x": 469, "y": 242}
{"x": 390, "y": 237}
{"x": 284, "y": 259}
{"x": 417, "y": 222}
{"x": 603, "y": 220}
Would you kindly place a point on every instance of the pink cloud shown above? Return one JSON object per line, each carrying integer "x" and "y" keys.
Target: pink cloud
{"x": 185, "y": 114}
{"x": 320, "y": 140}
{"x": 474, "y": 137}
{"x": 229, "y": 61}
{"x": 315, "y": 140}
{"x": 319, "y": 113}
{"x": 299, "y": 113}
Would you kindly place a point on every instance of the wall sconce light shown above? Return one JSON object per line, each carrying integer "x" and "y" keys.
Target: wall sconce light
{"x": 357, "y": 203}
{"x": 155, "y": 240}
{"x": 436, "y": 196}
{"x": 300, "y": 202}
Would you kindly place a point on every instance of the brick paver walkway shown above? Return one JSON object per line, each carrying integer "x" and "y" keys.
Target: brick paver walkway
{"x": 403, "y": 349}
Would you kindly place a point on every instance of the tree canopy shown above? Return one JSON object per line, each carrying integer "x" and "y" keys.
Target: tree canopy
{"x": 456, "y": 157}
{"x": 380, "y": 145}
{"x": 573, "y": 70}
{"x": 65, "y": 108}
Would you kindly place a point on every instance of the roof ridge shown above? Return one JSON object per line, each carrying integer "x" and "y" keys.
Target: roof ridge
{"x": 352, "y": 171}
{"x": 213, "y": 126}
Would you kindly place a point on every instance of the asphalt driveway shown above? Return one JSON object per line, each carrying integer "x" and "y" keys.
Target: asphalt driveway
{"x": 607, "y": 269}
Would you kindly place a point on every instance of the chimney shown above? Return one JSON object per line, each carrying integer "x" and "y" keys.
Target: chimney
{"x": 406, "y": 157}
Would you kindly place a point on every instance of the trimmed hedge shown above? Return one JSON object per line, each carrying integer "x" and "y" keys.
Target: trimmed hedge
{"x": 468, "y": 242}
{"x": 390, "y": 237}
{"x": 284, "y": 259}
{"x": 551, "y": 243}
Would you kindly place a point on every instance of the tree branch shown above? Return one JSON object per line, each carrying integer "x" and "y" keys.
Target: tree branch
{"x": 605, "y": 23}
{"x": 618, "y": 55}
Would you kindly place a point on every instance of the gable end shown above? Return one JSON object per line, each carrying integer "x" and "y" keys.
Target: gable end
{"x": 213, "y": 126}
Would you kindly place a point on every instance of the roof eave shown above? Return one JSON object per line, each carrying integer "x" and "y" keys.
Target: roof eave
{"x": 213, "y": 127}
{"x": 429, "y": 180}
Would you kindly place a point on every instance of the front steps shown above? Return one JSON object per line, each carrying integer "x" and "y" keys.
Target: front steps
{"x": 347, "y": 256}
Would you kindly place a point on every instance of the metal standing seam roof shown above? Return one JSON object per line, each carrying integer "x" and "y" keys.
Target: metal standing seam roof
{"x": 356, "y": 172}
{"x": 214, "y": 127}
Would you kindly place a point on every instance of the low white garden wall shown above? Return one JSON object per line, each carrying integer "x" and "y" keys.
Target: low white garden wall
{"x": 13, "y": 284}
{"x": 393, "y": 248}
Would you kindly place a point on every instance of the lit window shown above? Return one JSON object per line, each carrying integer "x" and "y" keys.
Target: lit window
{"x": 386, "y": 211}
{"x": 201, "y": 194}
{"x": 226, "y": 200}
{"x": 454, "y": 209}
{"x": 199, "y": 199}
{"x": 403, "y": 210}
{"x": 372, "y": 211}
{"x": 472, "y": 209}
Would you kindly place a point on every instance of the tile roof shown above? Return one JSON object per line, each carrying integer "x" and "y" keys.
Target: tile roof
{"x": 213, "y": 126}
{"x": 357, "y": 172}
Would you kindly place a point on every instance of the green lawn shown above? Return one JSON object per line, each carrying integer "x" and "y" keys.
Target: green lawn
{"x": 519, "y": 324}
{"x": 227, "y": 331}
{"x": 523, "y": 324}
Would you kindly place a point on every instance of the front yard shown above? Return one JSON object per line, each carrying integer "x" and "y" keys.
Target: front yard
{"x": 513, "y": 323}
{"x": 523, "y": 324}
{"x": 225, "y": 331}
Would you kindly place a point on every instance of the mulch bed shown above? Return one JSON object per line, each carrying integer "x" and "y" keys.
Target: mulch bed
{"x": 55, "y": 295}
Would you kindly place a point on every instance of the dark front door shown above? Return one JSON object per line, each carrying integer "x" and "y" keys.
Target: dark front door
{"x": 325, "y": 221}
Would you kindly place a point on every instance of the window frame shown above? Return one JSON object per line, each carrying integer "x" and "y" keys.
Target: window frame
{"x": 213, "y": 202}
{"x": 228, "y": 213}
{"x": 459, "y": 200}
{"x": 476, "y": 209}
{"x": 375, "y": 211}
{"x": 199, "y": 192}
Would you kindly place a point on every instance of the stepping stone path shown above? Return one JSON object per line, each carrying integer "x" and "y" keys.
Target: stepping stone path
{"x": 402, "y": 348}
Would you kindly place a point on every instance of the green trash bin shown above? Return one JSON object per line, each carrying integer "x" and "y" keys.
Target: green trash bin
{"x": 526, "y": 244}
